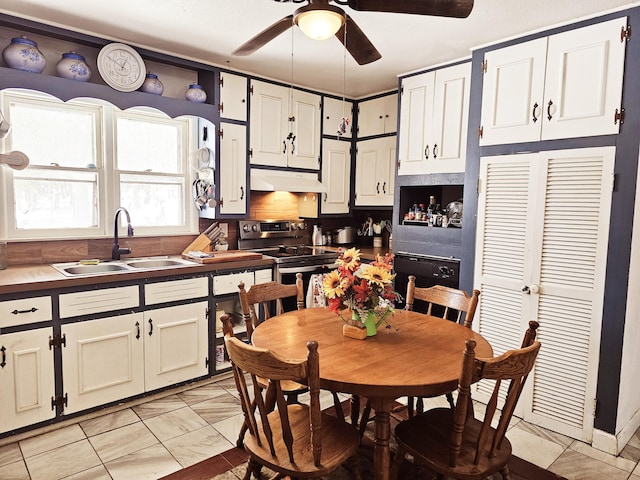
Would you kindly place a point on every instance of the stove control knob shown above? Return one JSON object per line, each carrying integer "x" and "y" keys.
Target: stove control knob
{"x": 254, "y": 228}
{"x": 245, "y": 228}
{"x": 302, "y": 226}
{"x": 294, "y": 226}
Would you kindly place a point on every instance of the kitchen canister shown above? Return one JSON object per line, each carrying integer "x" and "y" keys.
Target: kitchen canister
{"x": 151, "y": 84}
{"x": 195, "y": 93}
{"x": 73, "y": 66}
{"x": 23, "y": 54}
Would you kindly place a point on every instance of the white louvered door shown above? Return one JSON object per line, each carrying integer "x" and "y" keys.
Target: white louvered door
{"x": 543, "y": 224}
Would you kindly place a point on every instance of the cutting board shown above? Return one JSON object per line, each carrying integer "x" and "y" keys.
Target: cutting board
{"x": 225, "y": 256}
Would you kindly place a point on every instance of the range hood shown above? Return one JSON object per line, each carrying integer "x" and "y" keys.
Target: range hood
{"x": 282, "y": 180}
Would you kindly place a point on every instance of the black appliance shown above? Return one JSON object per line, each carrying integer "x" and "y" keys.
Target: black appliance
{"x": 428, "y": 270}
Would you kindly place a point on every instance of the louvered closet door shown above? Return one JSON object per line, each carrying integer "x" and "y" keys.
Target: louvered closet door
{"x": 559, "y": 246}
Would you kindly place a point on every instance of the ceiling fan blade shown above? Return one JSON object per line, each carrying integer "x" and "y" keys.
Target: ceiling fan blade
{"x": 357, "y": 43}
{"x": 440, "y": 8}
{"x": 264, "y": 37}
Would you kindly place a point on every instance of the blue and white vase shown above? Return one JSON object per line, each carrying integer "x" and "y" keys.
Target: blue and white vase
{"x": 195, "y": 93}
{"x": 74, "y": 67}
{"x": 23, "y": 54}
{"x": 151, "y": 84}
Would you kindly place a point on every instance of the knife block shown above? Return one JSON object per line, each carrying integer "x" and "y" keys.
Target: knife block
{"x": 202, "y": 243}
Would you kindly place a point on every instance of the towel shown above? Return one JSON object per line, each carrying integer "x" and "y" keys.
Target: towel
{"x": 315, "y": 294}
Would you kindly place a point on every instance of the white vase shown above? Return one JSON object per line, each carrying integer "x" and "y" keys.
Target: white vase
{"x": 151, "y": 84}
{"x": 195, "y": 93}
{"x": 23, "y": 54}
{"x": 74, "y": 67}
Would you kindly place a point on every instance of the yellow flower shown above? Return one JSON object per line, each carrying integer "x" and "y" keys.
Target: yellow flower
{"x": 350, "y": 259}
{"x": 377, "y": 275}
{"x": 333, "y": 285}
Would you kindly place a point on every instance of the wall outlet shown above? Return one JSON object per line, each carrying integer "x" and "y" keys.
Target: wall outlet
{"x": 225, "y": 229}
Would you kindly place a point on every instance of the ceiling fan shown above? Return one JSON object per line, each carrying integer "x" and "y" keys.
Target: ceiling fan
{"x": 356, "y": 42}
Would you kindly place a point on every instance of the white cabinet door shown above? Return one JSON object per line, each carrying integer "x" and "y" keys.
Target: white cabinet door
{"x": 375, "y": 171}
{"x": 175, "y": 344}
{"x": 333, "y": 111}
{"x": 541, "y": 248}
{"x": 378, "y": 116}
{"x": 562, "y": 86}
{"x": 27, "y": 383}
{"x": 103, "y": 361}
{"x": 285, "y": 127}
{"x": 434, "y": 117}
{"x": 233, "y": 96}
{"x": 233, "y": 169}
{"x": 336, "y": 176}
{"x": 583, "y": 87}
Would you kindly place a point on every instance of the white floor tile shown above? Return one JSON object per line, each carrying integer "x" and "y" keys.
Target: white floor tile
{"x": 146, "y": 464}
{"x": 536, "y": 450}
{"x": 122, "y": 441}
{"x": 197, "y": 445}
{"x": 49, "y": 441}
{"x": 62, "y": 461}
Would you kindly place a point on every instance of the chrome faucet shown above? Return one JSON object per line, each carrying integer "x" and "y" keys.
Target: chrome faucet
{"x": 116, "y": 251}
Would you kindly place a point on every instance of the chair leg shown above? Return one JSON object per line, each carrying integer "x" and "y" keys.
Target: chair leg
{"x": 410, "y": 410}
{"x": 254, "y": 468}
{"x": 449, "y": 396}
{"x": 243, "y": 431}
{"x": 355, "y": 409}
{"x": 398, "y": 458}
{"x": 338, "y": 406}
{"x": 506, "y": 475}
{"x": 365, "y": 418}
{"x": 419, "y": 405}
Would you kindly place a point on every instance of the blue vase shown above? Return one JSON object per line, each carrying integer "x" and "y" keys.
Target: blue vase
{"x": 195, "y": 93}
{"x": 152, "y": 85}
{"x": 73, "y": 67}
{"x": 23, "y": 54}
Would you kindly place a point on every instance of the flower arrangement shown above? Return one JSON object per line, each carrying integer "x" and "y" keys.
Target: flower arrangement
{"x": 364, "y": 288}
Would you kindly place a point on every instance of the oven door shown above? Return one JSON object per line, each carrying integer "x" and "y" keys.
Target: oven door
{"x": 287, "y": 275}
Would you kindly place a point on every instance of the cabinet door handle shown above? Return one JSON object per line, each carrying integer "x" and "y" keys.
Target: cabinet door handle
{"x": 326, "y": 196}
{"x": 384, "y": 187}
{"x": 4, "y": 356}
{"x": 378, "y": 187}
{"x": 284, "y": 146}
{"x": 533, "y": 112}
{"x": 150, "y": 327}
{"x": 435, "y": 151}
{"x": 293, "y": 146}
{"x": 426, "y": 152}
{"x": 549, "y": 110}
{"x": 137, "y": 330}
{"x": 241, "y": 193}
{"x": 31, "y": 310}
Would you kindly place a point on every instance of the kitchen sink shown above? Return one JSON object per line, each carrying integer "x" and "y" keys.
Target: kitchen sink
{"x": 75, "y": 269}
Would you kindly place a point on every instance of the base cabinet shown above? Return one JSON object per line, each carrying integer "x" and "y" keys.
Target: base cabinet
{"x": 26, "y": 378}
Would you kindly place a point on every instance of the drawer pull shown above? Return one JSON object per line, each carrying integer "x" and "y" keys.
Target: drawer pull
{"x": 4, "y": 356}
{"x": 31, "y": 310}
{"x": 150, "y": 327}
{"x": 137, "y": 330}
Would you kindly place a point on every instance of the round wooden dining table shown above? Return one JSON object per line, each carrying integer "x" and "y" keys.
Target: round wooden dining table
{"x": 420, "y": 355}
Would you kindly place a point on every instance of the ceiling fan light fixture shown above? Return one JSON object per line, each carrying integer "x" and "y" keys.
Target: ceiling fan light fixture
{"x": 319, "y": 23}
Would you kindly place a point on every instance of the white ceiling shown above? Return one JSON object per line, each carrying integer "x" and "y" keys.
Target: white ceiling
{"x": 209, "y": 30}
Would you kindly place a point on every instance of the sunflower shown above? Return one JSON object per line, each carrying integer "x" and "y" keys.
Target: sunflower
{"x": 377, "y": 275}
{"x": 350, "y": 259}
{"x": 333, "y": 284}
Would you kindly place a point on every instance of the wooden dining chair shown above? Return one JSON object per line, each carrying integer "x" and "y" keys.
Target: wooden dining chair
{"x": 453, "y": 443}
{"x": 262, "y": 298}
{"x": 295, "y": 440}
{"x": 451, "y": 304}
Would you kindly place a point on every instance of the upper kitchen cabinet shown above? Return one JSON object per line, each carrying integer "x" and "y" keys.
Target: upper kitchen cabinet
{"x": 233, "y": 97}
{"x": 434, "y": 115}
{"x": 562, "y": 86}
{"x": 378, "y": 116}
{"x": 233, "y": 169}
{"x": 374, "y": 172}
{"x": 336, "y": 176}
{"x": 284, "y": 127}
{"x": 333, "y": 111}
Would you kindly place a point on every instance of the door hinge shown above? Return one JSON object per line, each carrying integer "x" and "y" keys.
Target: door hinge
{"x": 594, "y": 411}
{"x": 480, "y": 131}
{"x": 250, "y": 151}
{"x": 207, "y": 313}
{"x": 402, "y": 90}
{"x": 625, "y": 34}
{"x": 483, "y": 66}
{"x": 220, "y": 107}
{"x": 59, "y": 401}
{"x": 251, "y": 89}
{"x": 398, "y": 165}
{"x": 618, "y": 116}
{"x": 57, "y": 341}
{"x": 479, "y": 186}
{"x": 206, "y": 362}
{"x": 613, "y": 182}
{"x": 221, "y": 133}
{"x": 221, "y": 81}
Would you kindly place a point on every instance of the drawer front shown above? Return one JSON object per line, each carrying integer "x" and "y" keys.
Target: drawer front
{"x": 174, "y": 290}
{"x": 264, "y": 276}
{"x": 223, "y": 284}
{"x": 25, "y": 310}
{"x": 96, "y": 301}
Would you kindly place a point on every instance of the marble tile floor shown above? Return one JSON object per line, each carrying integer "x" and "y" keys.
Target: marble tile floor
{"x": 164, "y": 435}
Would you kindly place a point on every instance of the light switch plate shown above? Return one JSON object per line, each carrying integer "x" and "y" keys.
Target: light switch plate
{"x": 225, "y": 229}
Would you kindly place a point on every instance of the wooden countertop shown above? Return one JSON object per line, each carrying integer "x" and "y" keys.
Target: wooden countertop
{"x": 366, "y": 252}
{"x": 28, "y": 278}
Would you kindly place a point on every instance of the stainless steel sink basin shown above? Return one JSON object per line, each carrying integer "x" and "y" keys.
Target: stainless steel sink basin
{"x": 156, "y": 263}
{"x": 75, "y": 269}
{"x": 93, "y": 269}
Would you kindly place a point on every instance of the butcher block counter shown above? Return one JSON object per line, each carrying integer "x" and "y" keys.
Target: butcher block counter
{"x": 29, "y": 278}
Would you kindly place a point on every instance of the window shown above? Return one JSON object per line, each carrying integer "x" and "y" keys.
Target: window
{"x": 87, "y": 158}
